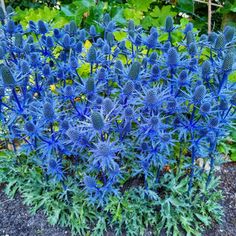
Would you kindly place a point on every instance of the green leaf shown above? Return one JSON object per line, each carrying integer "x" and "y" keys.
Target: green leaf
{"x": 133, "y": 14}
{"x": 119, "y": 35}
{"x": 156, "y": 11}
{"x": 233, "y": 155}
{"x": 204, "y": 219}
{"x": 186, "y": 5}
{"x": 232, "y": 77}
{"x": 142, "y": 5}
{"x": 65, "y": 9}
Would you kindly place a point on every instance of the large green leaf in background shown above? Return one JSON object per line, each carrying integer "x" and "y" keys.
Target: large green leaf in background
{"x": 186, "y": 5}
{"x": 141, "y": 5}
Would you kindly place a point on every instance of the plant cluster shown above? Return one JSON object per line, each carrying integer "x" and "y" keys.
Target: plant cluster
{"x": 143, "y": 106}
{"x": 136, "y": 212}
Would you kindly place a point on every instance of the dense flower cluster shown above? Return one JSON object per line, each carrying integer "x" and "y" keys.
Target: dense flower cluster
{"x": 142, "y": 104}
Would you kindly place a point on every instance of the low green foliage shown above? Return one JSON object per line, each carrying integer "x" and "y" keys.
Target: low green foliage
{"x": 134, "y": 212}
{"x": 228, "y": 147}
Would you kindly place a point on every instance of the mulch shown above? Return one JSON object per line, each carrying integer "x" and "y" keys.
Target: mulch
{"x": 15, "y": 219}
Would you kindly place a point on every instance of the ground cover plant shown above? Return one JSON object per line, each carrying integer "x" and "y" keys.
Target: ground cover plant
{"x": 107, "y": 134}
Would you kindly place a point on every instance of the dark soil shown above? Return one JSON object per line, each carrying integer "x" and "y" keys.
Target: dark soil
{"x": 228, "y": 186}
{"x": 16, "y": 221}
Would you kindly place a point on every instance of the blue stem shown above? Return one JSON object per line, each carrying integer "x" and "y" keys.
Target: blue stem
{"x": 212, "y": 162}
{"x": 16, "y": 99}
{"x": 222, "y": 82}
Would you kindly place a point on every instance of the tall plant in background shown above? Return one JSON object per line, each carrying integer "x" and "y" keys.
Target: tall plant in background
{"x": 139, "y": 100}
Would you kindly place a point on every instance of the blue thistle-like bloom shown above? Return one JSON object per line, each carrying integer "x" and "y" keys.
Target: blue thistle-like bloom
{"x": 104, "y": 154}
{"x": 119, "y": 67}
{"x": 57, "y": 33}
{"x": 188, "y": 27}
{"x": 152, "y": 58}
{"x": 102, "y": 74}
{"x": 46, "y": 70}
{"x": 155, "y": 71}
{"x": 90, "y": 86}
{"x": 172, "y": 57}
{"x": 151, "y": 41}
{"x": 199, "y": 93}
{"x": 229, "y": 33}
{"x": 97, "y": 121}
{"x": 106, "y": 19}
{"x": 110, "y": 39}
{"x": 134, "y": 71}
{"x": 9, "y": 10}
{"x": 190, "y": 38}
{"x": 92, "y": 55}
{"x": 128, "y": 112}
{"x": 107, "y": 105}
{"x": 171, "y": 105}
{"x": 18, "y": 40}
{"x": 54, "y": 168}
{"x": 151, "y": 98}
{"x": 128, "y": 88}
{"x": 72, "y": 28}
{"x": 30, "y": 127}
{"x": 82, "y": 35}
{"x": 10, "y": 27}
{"x": 69, "y": 92}
{"x": 42, "y": 28}
{"x": 111, "y": 26}
{"x": 203, "y": 38}
{"x": 92, "y": 31}
{"x": 205, "y": 108}
{"x": 166, "y": 46}
{"x": 169, "y": 24}
{"x": 212, "y": 37}
{"x": 79, "y": 47}
{"x": 192, "y": 49}
{"x": 74, "y": 63}
{"x": 73, "y": 134}
{"x": 220, "y": 42}
{"x": 106, "y": 49}
{"x": 66, "y": 41}
{"x": 7, "y": 77}
{"x": 131, "y": 28}
{"x": 213, "y": 122}
{"x": 228, "y": 62}
{"x": 183, "y": 78}
{"x": 48, "y": 111}
{"x": 206, "y": 69}
{"x": 49, "y": 42}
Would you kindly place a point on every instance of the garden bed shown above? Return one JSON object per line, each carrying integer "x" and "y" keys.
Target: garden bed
{"x": 15, "y": 219}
